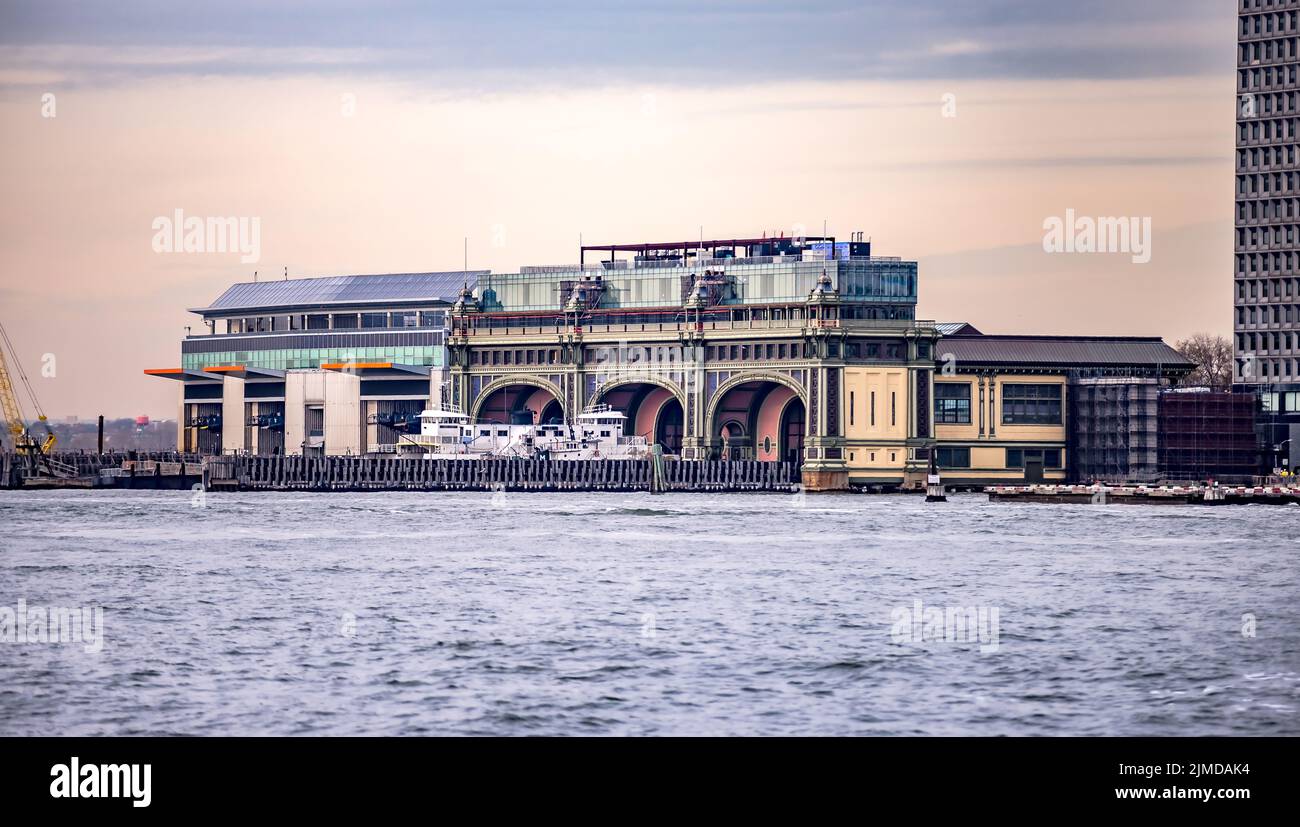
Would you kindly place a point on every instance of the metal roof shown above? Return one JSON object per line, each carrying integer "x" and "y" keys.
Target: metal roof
{"x": 957, "y": 328}
{"x": 344, "y": 290}
{"x": 1063, "y": 351}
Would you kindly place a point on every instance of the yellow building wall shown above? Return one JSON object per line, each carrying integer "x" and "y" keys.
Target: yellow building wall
{"x": 954, "y": 432}
{"x": 1030, "y": 433}
{"x": 876, "y": 447}
{"x": 988, "y": 452}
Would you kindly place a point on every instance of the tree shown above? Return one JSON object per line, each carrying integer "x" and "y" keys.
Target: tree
{"x": 1213, "y": 358}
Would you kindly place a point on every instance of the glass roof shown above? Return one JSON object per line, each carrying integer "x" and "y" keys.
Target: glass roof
{"x": 443, "y": 286}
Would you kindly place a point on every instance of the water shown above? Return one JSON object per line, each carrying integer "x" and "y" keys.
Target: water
{"x": 630, "y": 614}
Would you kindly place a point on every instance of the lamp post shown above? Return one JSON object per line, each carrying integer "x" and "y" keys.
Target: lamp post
{"x": 1277, "y": 451}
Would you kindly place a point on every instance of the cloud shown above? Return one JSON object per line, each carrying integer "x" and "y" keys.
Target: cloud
{"x": 515, "y": 43}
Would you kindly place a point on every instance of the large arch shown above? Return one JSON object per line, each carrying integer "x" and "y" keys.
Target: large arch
{"x": 758, "y": 416}
{"x": 503, "y": 397}
{"x": 653, "y": 408}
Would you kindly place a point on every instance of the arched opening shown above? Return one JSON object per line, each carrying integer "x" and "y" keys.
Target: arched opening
{"x": 520, "y": 405}
{"x": 669, "y": 427}
{"x": 735, "y": 445}
{"x": 790, "y": 444}
{"x": 652, "y": 411}
{"x": 761, "y": 420}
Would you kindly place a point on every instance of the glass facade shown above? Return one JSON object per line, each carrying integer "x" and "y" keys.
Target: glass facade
{"x": 778, "y": 279}
{"x": 311, "y": 351}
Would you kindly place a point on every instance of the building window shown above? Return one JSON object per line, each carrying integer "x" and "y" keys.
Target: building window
{"x": 893, "y": 408}
{"x": 952, "y": 457}
{"x": 873, "y": 409}
{"x": 952, "y": 403}
{"x": 1050, "y": 457}
{"x": 852, "y": 397}
{"x": 1031, "y": 404}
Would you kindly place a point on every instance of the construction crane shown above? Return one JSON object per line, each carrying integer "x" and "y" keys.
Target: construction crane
{"x": 31, "y": 448}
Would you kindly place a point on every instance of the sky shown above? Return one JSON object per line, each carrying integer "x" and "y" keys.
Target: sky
{"x": 377, "y": 137}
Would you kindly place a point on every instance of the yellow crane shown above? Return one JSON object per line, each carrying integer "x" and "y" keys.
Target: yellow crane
{"x": 36, "y": 451}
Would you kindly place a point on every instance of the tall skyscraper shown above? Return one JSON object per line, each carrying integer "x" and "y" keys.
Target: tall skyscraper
{"x": 1266, "y": 325}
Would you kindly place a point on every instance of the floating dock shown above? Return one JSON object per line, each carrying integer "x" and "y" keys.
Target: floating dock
{"x": 1147, "y": 494}
{"x": 116, "y": 470}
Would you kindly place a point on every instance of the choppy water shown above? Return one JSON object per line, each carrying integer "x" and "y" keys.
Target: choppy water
{"x": 631, "y": 614}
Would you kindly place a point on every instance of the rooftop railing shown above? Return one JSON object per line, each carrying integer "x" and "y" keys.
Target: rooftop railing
{"x": 709, "y": 325}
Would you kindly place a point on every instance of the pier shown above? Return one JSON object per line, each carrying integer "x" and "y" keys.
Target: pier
{"x": 299, "y": 473}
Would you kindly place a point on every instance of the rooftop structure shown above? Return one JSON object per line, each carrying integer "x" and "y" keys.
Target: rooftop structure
{"x": 1122, "y": 353}
{"x": 334, "y": 291}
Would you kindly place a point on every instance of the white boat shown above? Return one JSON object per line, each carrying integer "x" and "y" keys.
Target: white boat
{"x": 596, "y": 433}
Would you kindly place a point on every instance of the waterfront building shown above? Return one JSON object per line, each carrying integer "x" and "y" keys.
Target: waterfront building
{"x": 1050, "y": 408}
{"x": 804, "y": 350}
{"x": 1267, "y": 244}
{"x": 334, "y": 365}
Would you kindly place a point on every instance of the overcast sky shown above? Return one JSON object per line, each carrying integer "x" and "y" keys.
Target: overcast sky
{"x": 375, "y": 137}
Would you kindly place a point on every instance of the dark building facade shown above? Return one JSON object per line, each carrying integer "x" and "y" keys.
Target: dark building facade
{"x": 1266, "y": 324}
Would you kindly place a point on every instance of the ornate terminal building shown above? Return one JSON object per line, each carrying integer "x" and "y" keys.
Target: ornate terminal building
{"x": 803, "y": 350}
{"x": 755, "y": 348}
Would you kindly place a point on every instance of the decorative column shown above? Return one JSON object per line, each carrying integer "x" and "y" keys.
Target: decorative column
{"x": 824, "y": 468}
{"x": 695, "y": 436}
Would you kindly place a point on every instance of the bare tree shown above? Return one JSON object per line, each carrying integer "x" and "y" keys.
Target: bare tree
{"x": 1213, "y": 358}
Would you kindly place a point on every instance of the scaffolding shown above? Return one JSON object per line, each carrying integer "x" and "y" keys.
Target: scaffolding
{"x": 1113, "y": 429}
{"x": 1208, "y": 435}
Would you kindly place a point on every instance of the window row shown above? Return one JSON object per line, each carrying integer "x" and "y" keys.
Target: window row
{"x": 1268, "y": 288}
{"x": 1022, "y": 404}
{"x": 1253, "y": 370}
{"x": 336, "y": 321}
{"x": 950, "y": 458}
{"x": 1268, "y": 209}
{"x": 517, "y": 356}
{"x": 1277, "y": 129}
{"x": 1266, "y": 51}
{"x": 1268, "y": 103}
{"x": 1266, "y": 77}
{"x": 1268, "y": 156}
{"x": 1267, "y": 341}
{"x": 1251, "y": 237}
{"x": 1281, "y": 402}
{"x": 1268, "y": 314}
{"x": 1254, "y": 25}
{"x": 1254, "y": 263}
{"x": 301, "y": 359}
{"x": 1263, "y": 184}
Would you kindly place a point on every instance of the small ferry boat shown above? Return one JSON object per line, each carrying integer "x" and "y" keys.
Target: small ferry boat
{"x": 596, "y": 433}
